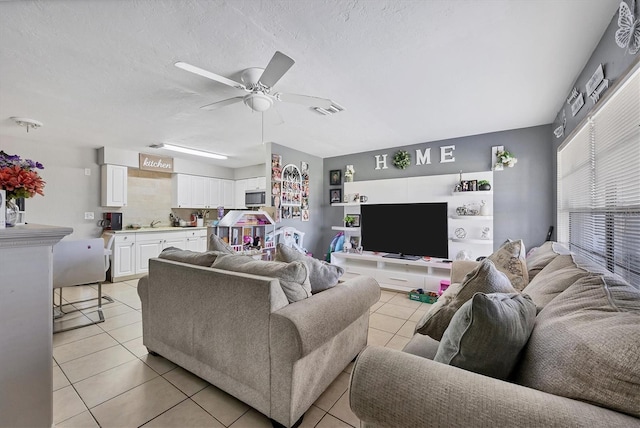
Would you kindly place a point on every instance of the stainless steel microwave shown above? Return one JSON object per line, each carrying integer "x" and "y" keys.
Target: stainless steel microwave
{"x": 255, "y": 198}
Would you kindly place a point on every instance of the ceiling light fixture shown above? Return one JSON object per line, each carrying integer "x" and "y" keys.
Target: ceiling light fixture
{"x": 27, "y": 123}
{"x": 258, "y": 101}
{"x": 188, "y": 151}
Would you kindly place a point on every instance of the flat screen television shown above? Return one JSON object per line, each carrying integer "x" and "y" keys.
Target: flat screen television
{"x": 407, "y": 231}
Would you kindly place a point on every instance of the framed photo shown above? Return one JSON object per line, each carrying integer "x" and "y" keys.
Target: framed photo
{"x": 356, "y": 220}
{"x": 335, "y": 177}
{"x": 335, "y": 196}
{"x": 473, "y": 185}
{"x": 354, "y": 241}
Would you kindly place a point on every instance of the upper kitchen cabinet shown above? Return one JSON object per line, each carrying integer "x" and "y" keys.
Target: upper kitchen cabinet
{"x": 227, "y": 193}
{"x": 113, "y": 186}
{"x": 181, "y": 191}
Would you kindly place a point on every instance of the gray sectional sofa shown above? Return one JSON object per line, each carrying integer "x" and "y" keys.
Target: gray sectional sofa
{"x": 239, "y": 331}
{"x": 579, "y": 368}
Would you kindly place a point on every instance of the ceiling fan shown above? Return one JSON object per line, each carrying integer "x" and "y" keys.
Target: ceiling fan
{"x": 259, "y": 83}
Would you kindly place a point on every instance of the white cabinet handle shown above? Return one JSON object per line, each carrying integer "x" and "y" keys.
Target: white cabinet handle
{"x": 398, "y": 279}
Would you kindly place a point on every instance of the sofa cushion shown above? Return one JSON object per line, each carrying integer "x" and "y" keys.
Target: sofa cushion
{"x": 542, "y": 256}
{"x": 191, "y": 257}
{"x": 322, "y": 275}
{"x": 217, "y": 244}
{"x": 556, "y": 277}
{"x": 293, "y": 277}
{"x": 484, "y": 279}
{"x": 487, "y": 333}
{"x": 422, "y": 346}
{"x": 586, "y": 344}
{"x": 510, "y": 259}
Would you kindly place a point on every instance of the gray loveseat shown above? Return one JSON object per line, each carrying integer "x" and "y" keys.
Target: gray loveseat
{"x": 579, "y": 368}
{"x": 239, "y": 332}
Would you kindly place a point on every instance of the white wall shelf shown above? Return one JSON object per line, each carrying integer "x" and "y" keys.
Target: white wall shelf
{"x": 473, "y": 192}
{"x": 472, "y": 217}
{"x": 353, "y": 230}
{"x": 346, "y": 204}
{"x": 473, "y": 241}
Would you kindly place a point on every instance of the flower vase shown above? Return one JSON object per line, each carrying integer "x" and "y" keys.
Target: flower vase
{"x": 11, "y": 216}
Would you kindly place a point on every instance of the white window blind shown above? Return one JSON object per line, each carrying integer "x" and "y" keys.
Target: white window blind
{"x": 599, "y": 185}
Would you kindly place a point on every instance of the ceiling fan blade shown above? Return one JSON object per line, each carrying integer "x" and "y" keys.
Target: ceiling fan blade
{"x": 305, "y": 100}
{"x": 277, "y": 67}
{"x": 223, "y": 103}
{"x": 209, "y": 75}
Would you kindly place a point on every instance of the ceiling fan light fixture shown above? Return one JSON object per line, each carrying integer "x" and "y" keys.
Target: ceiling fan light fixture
{"x": 189, "y": 151}
{"x": 258, "y": 102}
{"x": 27, "y": 123}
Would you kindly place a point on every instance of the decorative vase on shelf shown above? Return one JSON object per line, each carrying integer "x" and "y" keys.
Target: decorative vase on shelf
{"x": 484, "y": 187}
{"x": 11, "y": 215}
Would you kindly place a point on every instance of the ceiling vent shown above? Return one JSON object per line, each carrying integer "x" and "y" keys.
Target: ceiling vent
{"x": 333, "y": 109}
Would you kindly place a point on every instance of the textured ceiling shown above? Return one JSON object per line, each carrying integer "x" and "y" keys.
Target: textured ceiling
{"x": 101, "y": 73}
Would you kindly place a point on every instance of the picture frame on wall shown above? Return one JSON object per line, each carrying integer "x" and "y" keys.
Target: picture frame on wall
{"x": 335, "y": 196}
{"x": 335, "y": 177}
{"x": 356, "y": 220}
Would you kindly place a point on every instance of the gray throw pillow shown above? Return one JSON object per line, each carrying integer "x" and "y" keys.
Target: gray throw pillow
{"x": 293, "y": 277}
{"x": 322, "y": 275}
{"x": 192, "y": 257}
{"x": 217, "y": 244}
{"x": 484, "y": 279}
{"x": 487, "y": 334}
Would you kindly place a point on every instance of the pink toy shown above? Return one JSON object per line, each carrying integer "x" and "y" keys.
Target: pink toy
{"x": 444, "y": 284}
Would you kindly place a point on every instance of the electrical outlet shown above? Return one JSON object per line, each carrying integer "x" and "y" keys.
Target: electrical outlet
{"x": 88, "y": 216}
{"x": 87, "y": 171}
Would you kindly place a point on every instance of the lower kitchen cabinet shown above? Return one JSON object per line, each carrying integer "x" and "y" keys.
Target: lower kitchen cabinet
{"x": 132, "y": 251}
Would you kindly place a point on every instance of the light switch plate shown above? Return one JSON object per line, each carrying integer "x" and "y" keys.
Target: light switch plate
{"x": 88, "y": 216}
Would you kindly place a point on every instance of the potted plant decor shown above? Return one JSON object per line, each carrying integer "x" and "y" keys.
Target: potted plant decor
{"x": 484, "y": 185}
{"x": 348, "y": 220}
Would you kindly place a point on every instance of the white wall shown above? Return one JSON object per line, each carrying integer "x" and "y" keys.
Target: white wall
{"x": 68, "y": 192}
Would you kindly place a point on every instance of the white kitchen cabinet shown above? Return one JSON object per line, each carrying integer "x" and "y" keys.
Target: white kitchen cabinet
{"x": 227, "y": 193}
{"x": 124, "y": 255}
{"x": 181, "y": 191}
{"x": 240, "y": 187}
{"x": 147, "y": 247}
{"x": 213, "y": 200}
{"x": 199, "y": 191}
{"x": 174, "y": 239}
{"x": 261, "y": 183}
{"x": 113, "y": 186}
{"x": 196, "y": 240}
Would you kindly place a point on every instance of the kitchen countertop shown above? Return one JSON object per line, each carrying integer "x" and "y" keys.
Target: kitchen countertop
{"x": 156, "y": 229}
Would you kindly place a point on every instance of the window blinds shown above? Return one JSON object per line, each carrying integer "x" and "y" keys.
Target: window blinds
{"x": 599, "y": 185}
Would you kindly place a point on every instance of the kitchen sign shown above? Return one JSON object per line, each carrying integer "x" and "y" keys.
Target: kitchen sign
{"x": 156, "y": 163}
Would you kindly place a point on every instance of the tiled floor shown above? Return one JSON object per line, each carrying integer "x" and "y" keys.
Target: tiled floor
{"x": 103, "y": 375}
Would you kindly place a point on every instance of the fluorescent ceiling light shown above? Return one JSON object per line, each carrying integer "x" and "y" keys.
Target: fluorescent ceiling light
{"x": 189, "y": 151}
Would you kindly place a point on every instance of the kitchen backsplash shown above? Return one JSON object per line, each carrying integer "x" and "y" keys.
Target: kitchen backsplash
{"x": 148, "y": 199}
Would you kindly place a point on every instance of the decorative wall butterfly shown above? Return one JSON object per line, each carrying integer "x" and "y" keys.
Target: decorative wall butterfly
{"x": 628, "y": 35}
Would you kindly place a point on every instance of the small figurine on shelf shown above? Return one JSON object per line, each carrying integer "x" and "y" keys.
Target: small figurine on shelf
{"x": 486, "y": 233}
{"x": 348, "y": 173}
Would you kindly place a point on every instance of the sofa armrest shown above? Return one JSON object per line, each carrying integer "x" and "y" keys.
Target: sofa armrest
{"x": 460, "y": 268}
{"x": 309, "y": 323}
{"x": 391, "y": 388}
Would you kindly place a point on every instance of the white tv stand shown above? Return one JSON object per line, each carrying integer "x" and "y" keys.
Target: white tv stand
{"x": 394, "y": 274}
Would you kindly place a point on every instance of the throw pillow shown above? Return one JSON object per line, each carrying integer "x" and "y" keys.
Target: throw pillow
{"x": 192, "y": 257}
{"x": 487, "y": 334}
{"x": 542, "y": 256}
{"x": 484, "y": 279}
{"x": 511, "y": 260}
{"x": 217, "y": 244}
{"x": 322, "y": 275}
{"x": 293, "y": 277}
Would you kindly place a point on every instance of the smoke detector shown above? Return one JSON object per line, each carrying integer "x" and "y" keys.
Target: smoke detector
{"x": 27, "y": 123}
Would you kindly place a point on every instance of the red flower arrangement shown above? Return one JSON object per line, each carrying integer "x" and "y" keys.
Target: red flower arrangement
{"x": 19, "y": 177}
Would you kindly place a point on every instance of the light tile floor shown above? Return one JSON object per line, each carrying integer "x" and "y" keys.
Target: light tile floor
{"x": 103, "y": 375}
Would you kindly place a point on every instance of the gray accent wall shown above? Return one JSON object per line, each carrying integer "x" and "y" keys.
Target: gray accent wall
{"x": 616, "y": 63}
{"x": 313, "y": 228}
{"x": 523, "y": 195}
